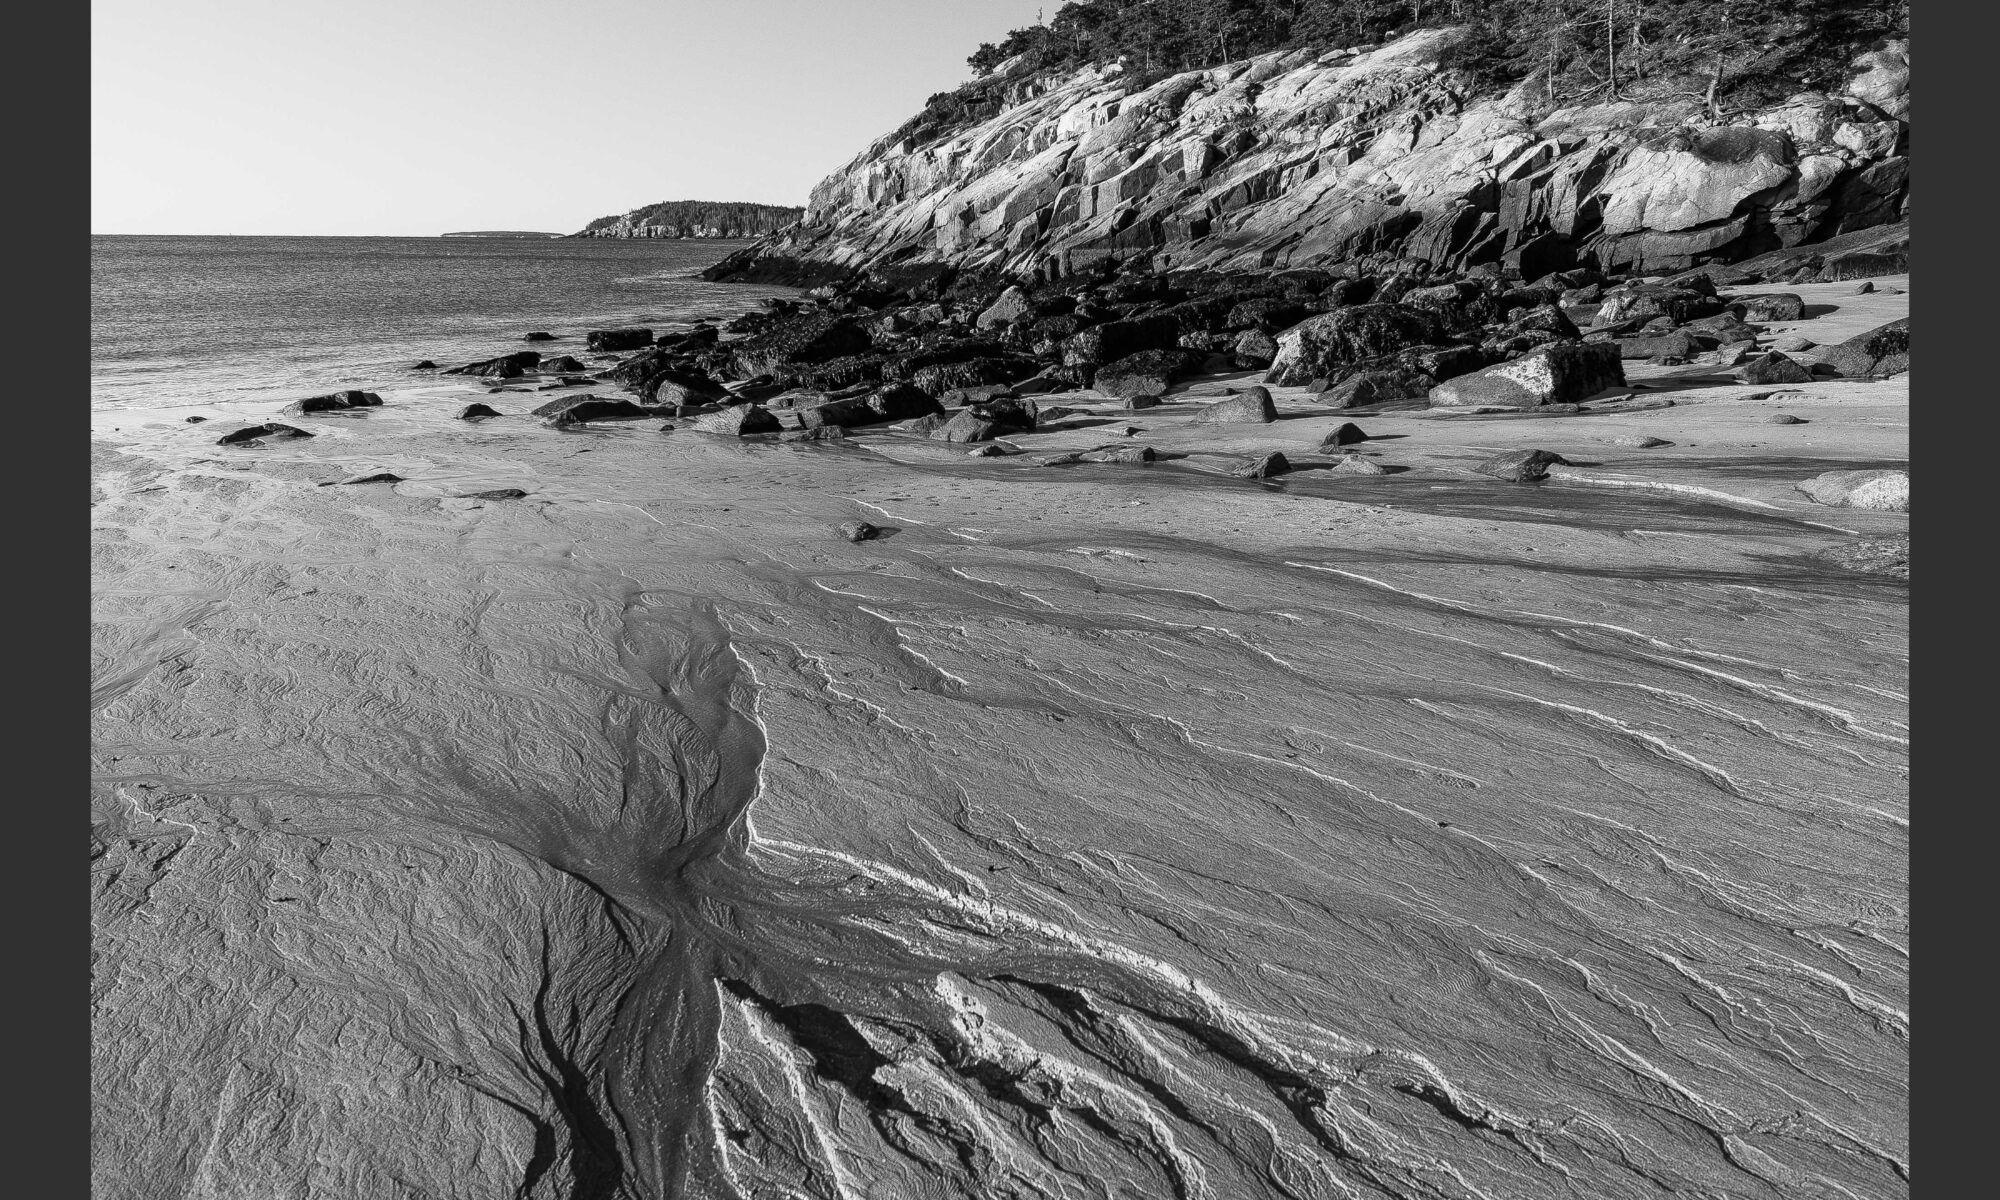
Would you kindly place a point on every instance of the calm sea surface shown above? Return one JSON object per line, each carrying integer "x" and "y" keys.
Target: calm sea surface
{"x": 218, "y": 322}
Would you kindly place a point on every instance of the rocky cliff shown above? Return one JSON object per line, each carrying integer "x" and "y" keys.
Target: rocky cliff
{"x": 1304, "y": 157}
{"x": 694, "y": 219}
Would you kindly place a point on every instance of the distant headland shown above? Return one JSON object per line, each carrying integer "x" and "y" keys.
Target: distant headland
{"x": 695, "y": 219}
{"x": 516, "y": 233}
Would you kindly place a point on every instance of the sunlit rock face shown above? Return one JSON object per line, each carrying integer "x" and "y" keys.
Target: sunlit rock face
{"x": 1305, "y": 158}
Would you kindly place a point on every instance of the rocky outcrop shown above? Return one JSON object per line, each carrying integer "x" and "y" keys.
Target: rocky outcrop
{"x": 1302, "y": 157}
{"x": 1885, "y": 491}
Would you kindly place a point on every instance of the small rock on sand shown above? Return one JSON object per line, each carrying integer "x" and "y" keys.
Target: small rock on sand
{"x": 989, "y": 450}
{"x": 1264, "y": 466}
{"x": 374, "y": 477}
{"x": 425, "y": 365}
{"x": 667, "y": 428}
{"x": 1883, "y": 491}
{"x": 1863, "y": 288}
{"x": 1252, "y": 407}
{"x": 859, "y": 531}
{"x": 252, "y": 432}
{"x": 196, "y": 420}
{"x": 1775, "y": 368}
{"x": 1521, "y": 466}
{"x": 1136, "y": 402}
{"x": 473, "y": 412}
{"x": 1784, "y": 419}
{"x": 1642, "y": 441}
{"x": 494, "y": 494}
{"x": 1345, "y": 434}
{"x": 1354, "y": 464}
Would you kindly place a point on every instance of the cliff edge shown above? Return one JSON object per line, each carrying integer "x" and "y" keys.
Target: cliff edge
{"x": 1302, "y": 158}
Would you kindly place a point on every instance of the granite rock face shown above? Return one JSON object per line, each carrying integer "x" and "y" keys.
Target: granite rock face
{"x": 1299, "y": 158}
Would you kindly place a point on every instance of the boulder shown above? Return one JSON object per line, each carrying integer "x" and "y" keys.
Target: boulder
{"x": 1114, "y": 340}
{"x": 425, "y": 365}
{"x": 336, "y": 402}
{"x": 1135, "y": 403}
{"x": 1371, "y": 387}
{"x": 896, "y": 402}
{"x": 494, "y": 494}
{"x": 1646, "y": 301}
{"x": 1011, "y": 306}
{"x": 977, "y": 394}
{"x": 1266, "y": 314}
{"x": 1521, "y": 466}
{"x": 373, "y": 477}
{"x": 1118, "y": 454}
{"x": 1885, "y": 491}
{"x": 1253, "y": 407}
{"x": 1559, "y": 373}
{"x": 738, "y": 420}
{"x": 507, "y": 366}
{"x": 1675, "y": 345}
{"x": 1147, "y": 373}
{"x": 938, "y": 378}
{"x": 1766, "y": 309}
{"x": 1640, "y": 440}
{"x": 1354, "y": 464}
{"x": 1793, "y": 343}
{"x": 473, "y": 412}
{"x": 1349, "y": 335}
{"x": 270, "y": 429}
{"x": 859, "y": 531}
{"x": 824, "y": 433}
{"x": 612, "y": 341}
{"x": 1880, "y": 351}
{"x": 575, "y": 410}
{"x": 538, "y": 336}
{"x": 1345, "y": 434}
{"x": 1784, "y": 419}
{"x": 559, "y": 364}
{"x": 1775, "y": 368}
{"x": 1264, "y": 466}
{"x": 813, "y": 338}
{"x": 1255, "y": 347}
{"x": 677, "y": 389}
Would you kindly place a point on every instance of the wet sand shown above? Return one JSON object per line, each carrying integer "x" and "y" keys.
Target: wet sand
{"x": 1102, "y": 830}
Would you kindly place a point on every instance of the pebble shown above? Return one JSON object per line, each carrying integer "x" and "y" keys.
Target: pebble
{"x": 859, "y": 531}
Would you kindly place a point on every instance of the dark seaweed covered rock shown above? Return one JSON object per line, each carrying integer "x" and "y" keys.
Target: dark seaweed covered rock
{"x": 615, "y": 340}
{"x": 270, "y": 429}
{"x": 1882, "y": 350}
{"x": 474, "y": 411}
{"x": 1114, "y": 340}
{"x": 574, "y": 410}
{"x": 1521, "y": 466}
{"x": 1314, "y": 347}
{"x": 812, "y": 338}
{"x": 739, "y": 420}
{"x": 334, "y": 402}
{"x": 1147, "y": 373}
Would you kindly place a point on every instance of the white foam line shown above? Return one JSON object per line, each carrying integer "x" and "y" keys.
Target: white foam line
{"x": 1520, "y": 612}
{"x": 1683, "y": 488}
{"x": 885, "y": 512}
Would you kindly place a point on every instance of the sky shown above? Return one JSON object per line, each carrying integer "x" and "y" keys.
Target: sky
{"x": 420, "y": 117}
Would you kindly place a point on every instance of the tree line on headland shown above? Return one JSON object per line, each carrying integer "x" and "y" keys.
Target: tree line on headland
{"x": 1742, "y": 52}
{"x": 694, "y": 219}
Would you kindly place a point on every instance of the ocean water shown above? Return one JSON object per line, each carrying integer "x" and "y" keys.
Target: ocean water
{"x": 201, "y": 323}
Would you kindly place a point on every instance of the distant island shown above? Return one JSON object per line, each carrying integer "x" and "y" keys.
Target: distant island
{"x": 695, "y": 219}
{"x": 503, "y": 233}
